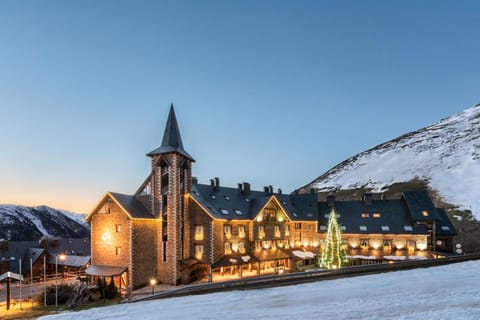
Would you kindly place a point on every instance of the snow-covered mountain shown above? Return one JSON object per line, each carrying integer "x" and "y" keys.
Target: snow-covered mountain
{"x": 445, "y": 155}
{"x": 20, "y": 223}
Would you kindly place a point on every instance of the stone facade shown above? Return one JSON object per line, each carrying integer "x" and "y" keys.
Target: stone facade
{"x": 110, "y": 236}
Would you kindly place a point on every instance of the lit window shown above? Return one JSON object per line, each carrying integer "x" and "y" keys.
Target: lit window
{"x": 385, "y": 228}
{"x": 323, "y": 228}
{"x": 363, "y": 228}
{"x": 228, "y": 248}
{"x": 445, "y": 228}
{"x": 224, "y": 211}
{"x": 258, "y": 245}
{"x": 365, "y": 215}
{"x": 241, "y": 231}
{"x": 118, "y": 251}
{"x": 241, "y": 247}
{"x": 376, "y": 215}
{"x": 364, "y": 243}
{"x": 287, "y": 231}
{"x": 408, "y": 228}
{"x": 298, "y": 225}
{"x": 261, "y": 232}
{"x": 425, "y": 213}
{"x": 118, "y": 228}
{"x": 227, "y": 230}
{"x": 276, "y": 231}
{"x": 199, "y": 251}
{"x": 198, "y": 232}
{"x": 237, "y": 212}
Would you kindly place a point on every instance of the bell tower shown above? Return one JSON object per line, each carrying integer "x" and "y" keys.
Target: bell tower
{"x": 171, "y": 180}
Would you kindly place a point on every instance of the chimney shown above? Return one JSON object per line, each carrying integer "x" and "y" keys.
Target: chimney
{"x": 270, "y": 189}
{"x": 331, "y": 200}
{"x": 368, "y": 198}
{"x": 217, "y": 183}
{"x": 240, "y": 187}
{"x": 43, "y": 242}
{"x": 246, "y": 188}
{"x": 265, "y": 189}
{"x": 194, "y": 180}
{"x": 212, "y": 183}
{"x": 279, "y": 191}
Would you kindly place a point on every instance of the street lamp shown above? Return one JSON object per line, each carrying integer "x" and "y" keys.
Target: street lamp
{"x": 62, "y": 257}
{"x": 153, "y": 282}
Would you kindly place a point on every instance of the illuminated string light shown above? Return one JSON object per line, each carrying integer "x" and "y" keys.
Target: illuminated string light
{"x": 333, "y": 255}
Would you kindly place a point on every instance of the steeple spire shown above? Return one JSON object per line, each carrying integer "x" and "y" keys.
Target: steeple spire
{"x": 172, "y": 141}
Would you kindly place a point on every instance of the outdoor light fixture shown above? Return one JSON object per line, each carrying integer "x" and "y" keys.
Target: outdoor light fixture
{"x": 62, "y": 258}
{"x": 153, "y": 282}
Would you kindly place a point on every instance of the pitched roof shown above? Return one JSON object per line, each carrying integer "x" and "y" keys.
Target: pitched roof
{"x": 233, "y": 203}
{"x": 69, "y": 260}
{"x": 134, "y": 207}
{"x": 172, "y": 141}
{"x": 420, "y": 206}
{"x": 391, "y": 217}
{"x": 444, "y": 226}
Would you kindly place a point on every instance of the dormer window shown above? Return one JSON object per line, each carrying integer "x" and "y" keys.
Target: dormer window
{"x": 425, "y": 213}
{"x": 363, "y": 228}
{"x": 365, "y": 215}
{"x": 408, "y": 228}
{"x": 376, "y": 215}
{"x": 224, "y": 211}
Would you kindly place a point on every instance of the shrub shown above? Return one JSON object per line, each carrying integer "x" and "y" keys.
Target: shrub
{"x": 65, "y": 294}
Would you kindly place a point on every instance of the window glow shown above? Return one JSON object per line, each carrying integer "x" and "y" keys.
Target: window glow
{"x": 198, "y": 232}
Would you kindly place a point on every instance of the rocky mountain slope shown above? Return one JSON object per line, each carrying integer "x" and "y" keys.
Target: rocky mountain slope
{"x": 445, "y": 155}
{"x": 20, "y": 223}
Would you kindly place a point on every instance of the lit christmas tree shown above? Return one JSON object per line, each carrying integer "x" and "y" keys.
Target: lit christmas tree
{"x": 333, "y": 254}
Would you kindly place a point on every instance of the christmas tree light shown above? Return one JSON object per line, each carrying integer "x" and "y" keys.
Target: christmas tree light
{"x": 333, "y": 255}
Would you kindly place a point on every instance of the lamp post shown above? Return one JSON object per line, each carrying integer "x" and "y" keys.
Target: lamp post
{"x": 153, "y": 282}
{"x": 62, "y": 257}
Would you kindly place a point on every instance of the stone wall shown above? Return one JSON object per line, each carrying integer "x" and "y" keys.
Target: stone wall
{"x": 144, "y": 251}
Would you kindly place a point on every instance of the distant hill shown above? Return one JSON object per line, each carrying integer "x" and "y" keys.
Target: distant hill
{"x": 20, "y": 223}
{"x": 444, "y": 156}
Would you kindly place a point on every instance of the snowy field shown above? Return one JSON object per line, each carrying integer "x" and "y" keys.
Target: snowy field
{"x": 448, "y": 292}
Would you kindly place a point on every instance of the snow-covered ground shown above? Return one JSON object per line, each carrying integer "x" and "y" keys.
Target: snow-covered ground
{"x": 446, "y": 155}
{"x": 447, "y": 292}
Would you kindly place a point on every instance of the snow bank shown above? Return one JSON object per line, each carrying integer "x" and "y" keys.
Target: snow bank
{"x": 447, "y": 292}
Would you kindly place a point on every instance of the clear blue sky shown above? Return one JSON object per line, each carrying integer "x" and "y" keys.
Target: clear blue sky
{"x": 269, "y": 92}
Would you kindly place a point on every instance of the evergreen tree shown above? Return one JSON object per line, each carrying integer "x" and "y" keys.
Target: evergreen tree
{"x": 333, "y": 255}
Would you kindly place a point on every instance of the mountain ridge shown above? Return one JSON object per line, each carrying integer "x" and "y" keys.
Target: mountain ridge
{"x": 445, "y": 155}
{"x": 24, "y": 223}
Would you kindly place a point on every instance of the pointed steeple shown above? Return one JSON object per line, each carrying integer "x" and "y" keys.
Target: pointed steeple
{"x": 172, "y": 141}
